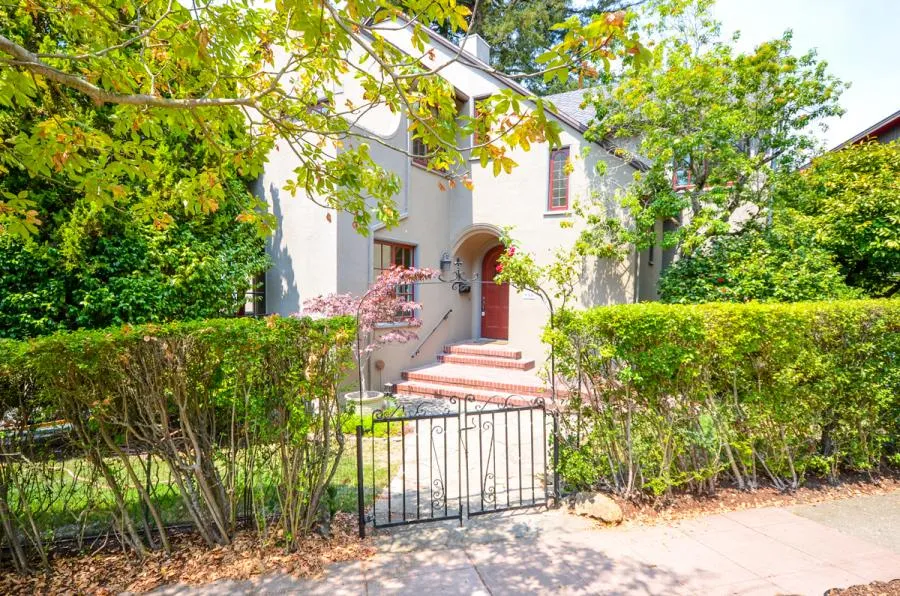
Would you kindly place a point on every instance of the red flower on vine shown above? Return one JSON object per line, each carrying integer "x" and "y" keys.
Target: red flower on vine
{"x": 720, "y": 280}
{"x": 511, "y": 251}
{"x": 499, "y": 268}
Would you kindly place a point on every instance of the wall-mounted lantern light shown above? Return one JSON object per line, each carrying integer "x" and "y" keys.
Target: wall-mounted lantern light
{"x": 458, "y": 281}
{"x": 445, "y": 263}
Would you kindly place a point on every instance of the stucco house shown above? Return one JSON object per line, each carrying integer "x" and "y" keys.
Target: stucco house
{"x": 481, "y": 337}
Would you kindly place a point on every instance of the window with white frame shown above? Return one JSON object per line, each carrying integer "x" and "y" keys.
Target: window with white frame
{"x": 559, "y": 180}
{"x": 390, "y": 254}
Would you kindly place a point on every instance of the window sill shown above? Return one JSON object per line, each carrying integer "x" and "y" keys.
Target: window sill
{"x": 558, "y": 213}
{"x": 438, "y": 173}
{"x": 379, "y": 226}
{"x": 392, "y": 325}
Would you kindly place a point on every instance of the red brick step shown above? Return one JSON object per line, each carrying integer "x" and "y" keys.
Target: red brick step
{"x": 486, "y": 361}
{"x": 449, "y": 391}
{"x": 489, "y": 350}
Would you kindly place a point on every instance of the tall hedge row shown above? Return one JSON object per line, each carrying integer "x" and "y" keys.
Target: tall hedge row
{"x": 130, "y": 430}
{"x": 693, "y": 396}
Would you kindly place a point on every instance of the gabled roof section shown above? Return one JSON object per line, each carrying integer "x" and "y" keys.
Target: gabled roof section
{"x": 880, "y": 127}
{"x": 575, "y": 116}
{"x": 571, "y": 103}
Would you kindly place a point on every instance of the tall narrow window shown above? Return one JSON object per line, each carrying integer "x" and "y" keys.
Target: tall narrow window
{"x": 559, "y": 180}
{"x": 389, "y": 254}
{"x": 681, "y": 174}
{"x": 479, "y": 138}
{"x": 419, "y": 151}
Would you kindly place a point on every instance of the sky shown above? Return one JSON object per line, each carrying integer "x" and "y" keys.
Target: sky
{"x": 860, "y": 40}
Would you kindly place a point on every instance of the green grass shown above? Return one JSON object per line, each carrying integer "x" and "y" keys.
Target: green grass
{"x": 64, "y": 495}
{"x": 350, "y": 420}
{"x": 344, "y": 479}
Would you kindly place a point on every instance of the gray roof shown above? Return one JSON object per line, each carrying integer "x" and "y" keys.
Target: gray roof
{"x": 570, "y": 103}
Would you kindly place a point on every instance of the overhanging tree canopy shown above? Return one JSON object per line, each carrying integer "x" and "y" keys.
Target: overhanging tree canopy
{"x": 269, "y": 70}
{"x": 518, "y": 32}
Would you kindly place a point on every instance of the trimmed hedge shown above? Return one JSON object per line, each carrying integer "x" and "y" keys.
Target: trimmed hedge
{"x": 691, "y": 396}
{"x": 133, "y": 429}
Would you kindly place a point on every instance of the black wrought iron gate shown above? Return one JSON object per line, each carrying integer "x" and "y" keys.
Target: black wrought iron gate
{"x": 477, "y": 458}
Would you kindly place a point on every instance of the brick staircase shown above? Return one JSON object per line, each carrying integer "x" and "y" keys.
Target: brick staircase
{"x": 488, "y": 371}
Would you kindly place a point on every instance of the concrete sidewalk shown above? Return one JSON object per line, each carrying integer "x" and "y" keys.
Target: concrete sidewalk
{"x": 798, "y": 550}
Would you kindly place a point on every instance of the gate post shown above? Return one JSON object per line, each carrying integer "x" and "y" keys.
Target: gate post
{"x": 459, "y": 454}
{"x": 556, "y": 457}
{"x": 360, "y": 496}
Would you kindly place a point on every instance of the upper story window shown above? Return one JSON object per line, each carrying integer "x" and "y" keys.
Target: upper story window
{"x": 559, "y": 180}
{"x": 419, "y": 150}
{"x": 683, "y": 175}
{"x": 479, "y": 139}
{"x": 389, "y": 254}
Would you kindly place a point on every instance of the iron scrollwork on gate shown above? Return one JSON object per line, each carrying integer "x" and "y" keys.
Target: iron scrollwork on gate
{"x": 474, "y": 458}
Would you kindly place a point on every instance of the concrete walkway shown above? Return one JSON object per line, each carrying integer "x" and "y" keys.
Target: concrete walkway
{"x": 799, "y": 550}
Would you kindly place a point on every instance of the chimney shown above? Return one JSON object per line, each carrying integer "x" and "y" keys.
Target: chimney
{"x": 475, "y": 46}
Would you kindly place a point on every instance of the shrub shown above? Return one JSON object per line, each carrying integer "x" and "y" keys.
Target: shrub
{"x": 686, "y": 396}
{"x": 239, "y": 417}
{"x": 781, "y": 264}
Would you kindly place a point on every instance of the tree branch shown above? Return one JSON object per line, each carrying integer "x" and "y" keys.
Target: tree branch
{"x": 30, "y": 62}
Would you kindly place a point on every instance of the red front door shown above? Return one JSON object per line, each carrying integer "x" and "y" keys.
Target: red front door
{"x": 494, "y": 299}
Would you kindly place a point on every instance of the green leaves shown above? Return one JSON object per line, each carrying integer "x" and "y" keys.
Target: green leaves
{"x": 781, "y": 264}
{"x": 699, "y": 396}
{"x": 135, "y": 255}
{"x": 713, "y": 125}
{"x": 849, "y": 201}
{"x": 101, "y": 86}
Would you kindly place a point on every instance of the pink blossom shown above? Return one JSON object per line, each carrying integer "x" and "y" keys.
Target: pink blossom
{"x": 499, "y": 268}
{"x": 382, "y": 304}
{"x": 511, "y": 251}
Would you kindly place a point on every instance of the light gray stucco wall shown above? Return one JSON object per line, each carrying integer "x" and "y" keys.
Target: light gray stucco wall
{"x": 303, "y": 245}
{"x": 314, "y": 256}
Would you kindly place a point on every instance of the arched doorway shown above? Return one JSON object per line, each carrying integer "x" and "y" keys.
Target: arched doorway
{"x": 494, "y": 299}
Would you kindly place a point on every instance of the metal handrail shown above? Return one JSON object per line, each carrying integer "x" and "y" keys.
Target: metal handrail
{"x": 427, "y": 337}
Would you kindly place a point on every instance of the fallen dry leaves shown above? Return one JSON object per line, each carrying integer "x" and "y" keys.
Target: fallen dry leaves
{"x": 685, "y": 506}
{"x": 191, "y": 562}
{"x": 891, "y": 588}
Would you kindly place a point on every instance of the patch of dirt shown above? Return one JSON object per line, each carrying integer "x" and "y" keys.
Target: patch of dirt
{"x": 686, "y": 506}
{"x": 191, "y": 562}
{"x": 891, "y": 588}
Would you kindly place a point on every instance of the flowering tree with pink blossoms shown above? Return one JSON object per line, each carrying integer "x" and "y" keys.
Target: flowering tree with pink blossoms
{"x": 383, "y": 314}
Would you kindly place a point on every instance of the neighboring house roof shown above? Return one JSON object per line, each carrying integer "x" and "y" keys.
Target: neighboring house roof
{"x": 876, "y": 130}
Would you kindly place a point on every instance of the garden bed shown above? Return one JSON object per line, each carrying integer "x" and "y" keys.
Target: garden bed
{"x": 891, "y": 588}
{"x": 685, "y": 506}
{"x": 191, "y": 562}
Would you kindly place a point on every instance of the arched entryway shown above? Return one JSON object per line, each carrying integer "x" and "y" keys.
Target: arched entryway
{"x": 494, "y": 299}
